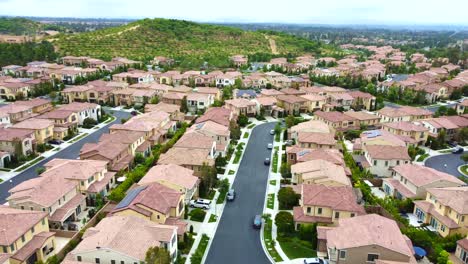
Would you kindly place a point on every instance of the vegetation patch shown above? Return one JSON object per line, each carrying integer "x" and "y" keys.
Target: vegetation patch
{"x": 223, "y": 189}
{"x": 273, "y": 182}
{"x": 275, "y": 162}
{"x": 197, "y": 257}
{"x": 268, "y": 240}
{"x": 246, "y": 135}
{"x": 29, "y": 164}
{"x": 464, "y": 169}
{"x": 197, "y": 215}
{"x": 231, "y": 172}
{"x": 271, "y": 201}
{"x": 423, "y": 157}
{"x": 213, "y": 218}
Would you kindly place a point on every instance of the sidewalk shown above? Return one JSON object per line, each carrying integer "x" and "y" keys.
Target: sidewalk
{"x": 217, "y": 209}
{"x": 82, "y": 133}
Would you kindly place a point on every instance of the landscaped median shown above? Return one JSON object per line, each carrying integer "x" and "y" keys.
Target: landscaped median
{"x": 268, "y": 240}
{"x": 34, "y": 161}
{"x": 275, "y": 160}
{"x": 197, "y": 257}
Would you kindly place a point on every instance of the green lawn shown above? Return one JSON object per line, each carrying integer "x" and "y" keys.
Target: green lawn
{"x": 423, "y": 157}
{"x": 200, "y": 252}
{"x": 250, "y": 126}
{"x": 274, "y": 163}
{"x": 296, "y": 248}
{"x": 246, "y": 134}
{"x": 464, "y": 169}
{"x": 273, "y": 182}
{"x": 269, "y": 243}
{"x": 231, "y": 172}
{"x": 212, "y": 218}
{"x": 271, "y": 200}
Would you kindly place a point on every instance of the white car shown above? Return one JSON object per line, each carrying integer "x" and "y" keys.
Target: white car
{"x": 315, "y": 261}
{"x": 270, "y": 146}
{"x": 200, "y": 203}
{"x": 272, "y": 132}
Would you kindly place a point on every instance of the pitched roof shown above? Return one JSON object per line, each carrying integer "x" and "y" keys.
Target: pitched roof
{"x": 34, "y": 123}
{"x": 368, "y": 230}
{"x": 75, "y": 169}
{"x": 218, "y": 115}
{"x": 385, "y": 152}
{"x": 311, "y": 126}
{"x": 339, "y": 198}
{"x": 404, "y": 111}
{"x": 7, "y": 134}
{"x": 129, "y": 235}
{"x": 406, "y": 126}
{"x": 186, "y": 156}
{"x": 211, "y": 127}
{"x": 195, "y": 140}
{"x": 453, "y": 197}
{"x": 421, "y": 175}
{"x": 291, "y": 99}
{"x": 161, "y": 106}
{"x": 78, "y": 106}
{"x": 14, "y": 223}
{"x": 170, "y": 173}
{"x": 320, "y": 171}
{"x": 334, "y": 116}
{"x": 361, "y": 115}
{"x": 315, "y": 137}
{"x": 240, "y": 102}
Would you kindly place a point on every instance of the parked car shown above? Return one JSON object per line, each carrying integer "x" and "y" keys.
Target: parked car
{"x": 133, "y": 113}
{"x": 315, "y": 261}
{"x": 200, "y": 203}
{"x": 231, "y": 195}
{"x": 266, "y": 161}
{"x": 272, "y": 132}
{"x": 458, "y": 150}
{"x": 270, "y": 145}
{"x": 257, "y": 222}
{"x": 55, "y": 142}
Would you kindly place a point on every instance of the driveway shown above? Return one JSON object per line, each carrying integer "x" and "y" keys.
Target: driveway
{"x": 453, "y": 161}
{"x": 71, "y": 152}
{"x": 235, "y": 241}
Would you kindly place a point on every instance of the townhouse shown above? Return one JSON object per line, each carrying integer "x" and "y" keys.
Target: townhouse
{"x": 91, "y": 176}
{"x": 450, "y": 125}
{"x": 408, "y": 129}
{"x": 412, "y": 180}
{"x": 365, "y": 239}
{"x": 64, "y": 122}
{"x": 10, "y": 90}
{"x": 292, "y": 104}
{"x": 134, "y": 140}
{"x": 117, "y": 155}
{"x": 219, "y": 115}
{"x": 133, "y": 76}
{"x": 269, "y": 106}
{"x": 364, "y": 119}
{"x": 311, "y": 126}
{"x": 43, "y": 129}
{"x": 378, "y": 137}
{"x": 461, "y": 252}
{"x": 37, "y": 105}
{"x": 337, "y": 120}
{"x": 241, "y": 106}
{"x": 379, "y": 159}
{"x": 199, "y": 101}
{"x": 173, "y": 98}
{"x": 17, "y": 142}
{"x": 445, "y": 210}
{"x": 297, "y": 154}
{"x": 123, "y": 239}
{"x": 362, "y": 100}
{"x": 83, "y": 110}
{"x": 402, "y": 113}
{"x": 340, "y": 100}
{"x": 175, "y": 177}
{"x": 190, "y": 158}
{"x": 57, "y": 196}
{"x": 319, "y": 172}
{"x": 314, "y": 102}
{"x": 25, "y": 236}
{"x": 326, "y": 204}
{"x": 14, "y": 113}
{"x": 172, "y": 109}
{"x": 219, "y": 133}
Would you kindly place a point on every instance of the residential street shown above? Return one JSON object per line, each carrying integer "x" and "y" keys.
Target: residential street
{"x": 236, "y": 241}
{"x": 71, "y": 152}
{"x": 452, "y": 161}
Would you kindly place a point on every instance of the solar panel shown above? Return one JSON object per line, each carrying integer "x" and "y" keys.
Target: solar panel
{"x": 130, "y": 197}
{"x": 302, "y": 153}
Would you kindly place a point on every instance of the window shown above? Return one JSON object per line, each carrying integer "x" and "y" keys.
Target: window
{"x": 442, "y": 227}
{"x": 23, "y": 239}
{"x": 43, "y": 221}
{"x": 97, "y": 260}
{"x": 352, "y": 214}
{"x": 337, "y": 215}
{"x": 32, "y": 208}
{"x": 33, "y": 230}
{"x": 319, "y": 211}
{"x": 122, "y": 262}
{"x": 375, "y": 163}
{"x": 397, "y": 162}
{"x": 463, "y": 218}
{"x": 22, "y": 207}
{"x": 43, "y": 209}
{"x": 12, "y": 247}
{"x": 78, "y": 258}
{"x": 342, "y": 254}
{"x": 386, "y": 163}
{"x": 308, "y": 210}
{"x": 372, "y": 257}
{"x": 5, "y": 249}
{"x": 112, "y": 261}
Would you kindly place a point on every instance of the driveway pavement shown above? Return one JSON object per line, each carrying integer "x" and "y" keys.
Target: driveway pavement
{"x": 235, "y": 241}
{"x": 71, "y": 152}
{"x": 453, "y": 161}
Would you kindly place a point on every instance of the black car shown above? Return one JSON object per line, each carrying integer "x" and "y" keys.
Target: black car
{"x": 458, "y": 150}
{"x": 55, "y": 142}
{"x": 133, "y": 113}
{"x": 266, "y": 161}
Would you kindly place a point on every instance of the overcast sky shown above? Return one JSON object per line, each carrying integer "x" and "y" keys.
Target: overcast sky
{"x": 285, "y": 11}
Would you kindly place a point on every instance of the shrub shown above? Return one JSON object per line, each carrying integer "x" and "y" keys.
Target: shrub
{"x": 89, "y": 122}
{"x": 284, "y": 222}
{"x": 197, "y": 215}
{"x": 308, "y": 232}
{"x": 288, "y": 198}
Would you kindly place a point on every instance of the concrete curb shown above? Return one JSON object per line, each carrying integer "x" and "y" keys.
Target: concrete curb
{"x": 460, "y": 171}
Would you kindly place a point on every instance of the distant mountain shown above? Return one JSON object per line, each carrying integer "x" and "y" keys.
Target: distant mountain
{"x": 188, "y": 42}
{"x": 18, "y": 26}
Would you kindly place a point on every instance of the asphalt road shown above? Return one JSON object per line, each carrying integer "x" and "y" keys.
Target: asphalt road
{"x": 453, "y": 161}
{"x": 235, "y": 241}
{"x": 72, "y": 152}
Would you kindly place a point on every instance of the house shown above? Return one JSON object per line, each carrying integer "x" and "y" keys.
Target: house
{"x": 241, "y": 106}
{"x": 403, "y": 113}
{"x": 91, "y": 176}
{"x": 445, "y": 210}
{"x": 117, "y": 155}
{"x": 269, "y": 106}
{"x": 219, "y": 115}
{"x": 408, "y": 129}
{"x": 83, "y": 110}
{"x": 197, "y": 140}
{"x": 12, "y": 90}
{"x": 63, "y": 120}
{"x": 462, "y": 107}
{"x": 362, "y": 100}
{"x": 314, "y": 126}
{"x": 340, "y": 100}
{"x": 123, "y": 239}
{"x": 133, "y": 76}
{"x": 326, "y": 204}
{"x": 25, "y": 236}
{"x": 199, "y": 101}
{"x": 17, "y": 142}
{"x": 219, "y": 133}
{"x": 447, "y": 124}
{"x": 337, "y": 120}
{"x": 381, "y": 158}
{"x": 173, "y": 98}
{"x": 43, "y": 128}
{"x": 297, "y": 154}
{"x": 227, "y": 78}
{"x": 461, "y": 252}
{"x": 365, "y": 239}
{"x": 412, "y": 180}
{"x": 246, "y": 94}
{"x": 154, "y": 201}
{"x": 15, "y": 113}
{"x": 77, "y": 93}
{"x": 314, "y": 102}
{"x": 172, "y": 109}
{"x": 378, "y": 137}
{"x": 292, "y": 104}
{"x": 37, "y": 105}
{"x": 239, "y": 60}
{"x": 190, "y": 158}
{"x": 134, "y": 140}
{"x": 319, "y": 172}
{"x": 316, "y": 140}
{"x": 57, "y": 196}
{"x": 175, "y": 177}
{"x": 364, "y": 119}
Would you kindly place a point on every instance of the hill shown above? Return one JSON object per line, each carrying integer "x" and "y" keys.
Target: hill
{"x": 188, "y": 42}
{"x": 18, "y": 26}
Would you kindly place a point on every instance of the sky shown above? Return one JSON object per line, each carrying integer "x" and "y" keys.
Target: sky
{"x": 382, "y": 12}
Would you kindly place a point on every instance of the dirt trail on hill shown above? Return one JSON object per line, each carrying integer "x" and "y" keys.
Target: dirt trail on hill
{"x": 272, "y": 42}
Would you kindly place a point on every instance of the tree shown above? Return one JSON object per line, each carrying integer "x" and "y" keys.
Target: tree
{"x": 285, "y": 222}
{"x": 208, "y": 178}
{"x": 290, "y": 121}
{"x": 154, "y": 100}
{"x": 277, "y": 128}
{"x": 235, "y": 130}
{"x": 242, "y": 120}
{"x": 157, "y": 255}
{"x": 463, "y": 134}
{"x": 285, "y": 170}
{"x": 183, "y": 105}
{"x": 288, "y": 198}
{"x": 308, "y": 232}
{"x": 89, "y": 122}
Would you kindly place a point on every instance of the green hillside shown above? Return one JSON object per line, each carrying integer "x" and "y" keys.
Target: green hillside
{"x": 188, "y": 42}
{"x": 18, "y": 26}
